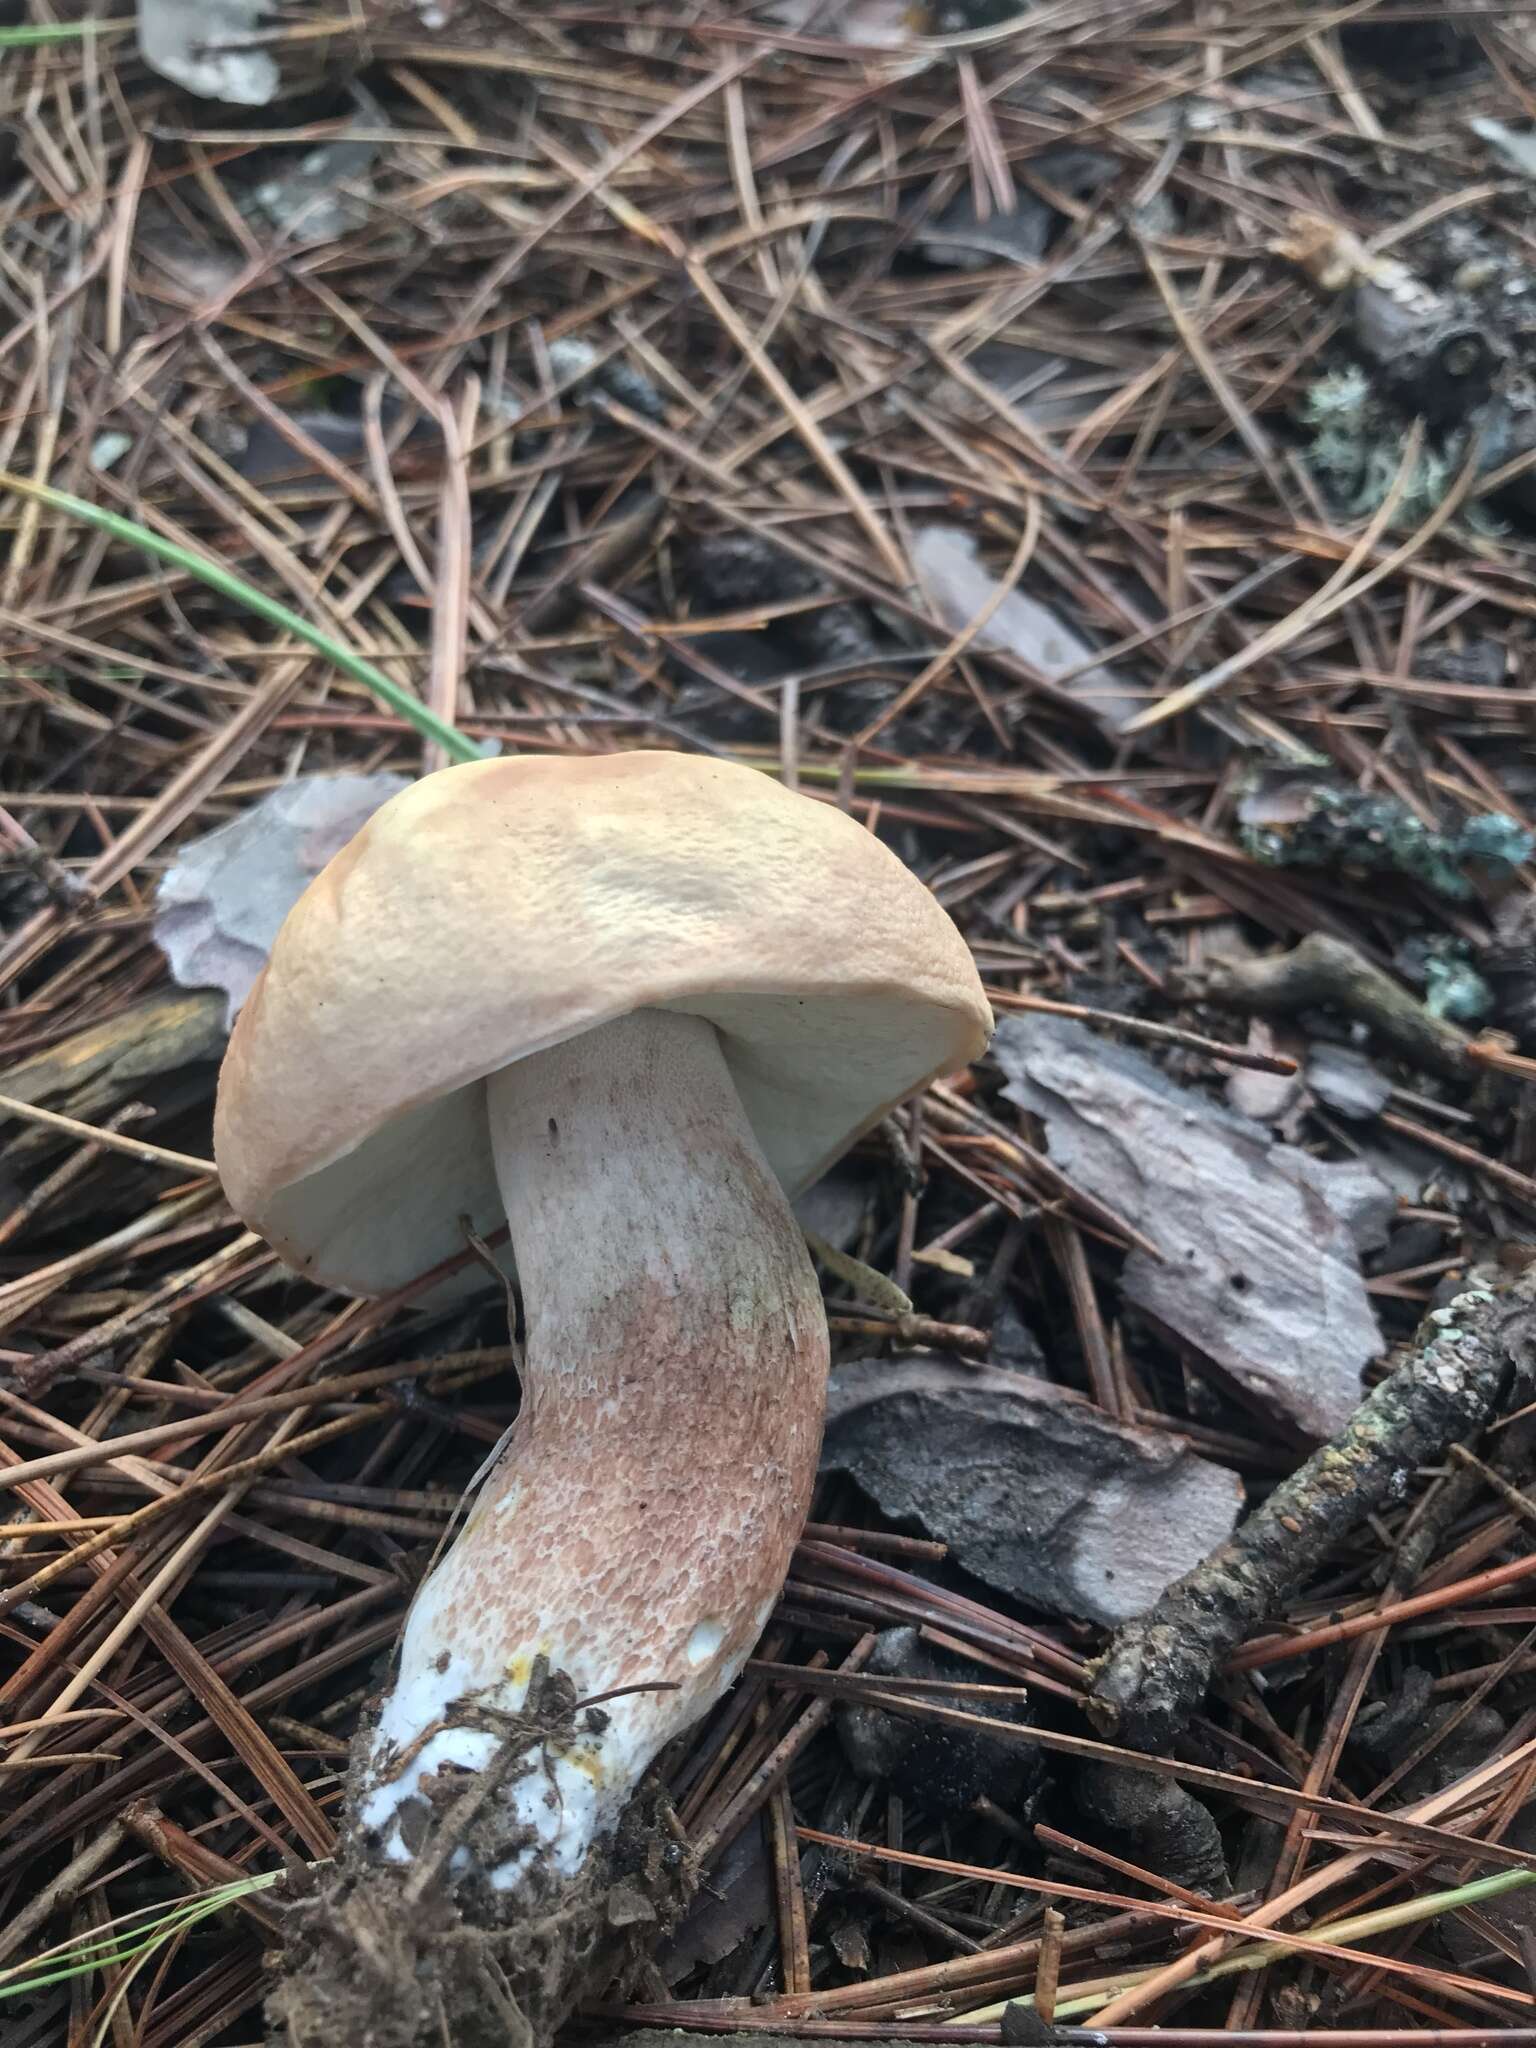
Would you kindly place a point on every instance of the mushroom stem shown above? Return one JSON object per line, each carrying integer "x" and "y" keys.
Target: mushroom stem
{"x": 638, "y": 1529}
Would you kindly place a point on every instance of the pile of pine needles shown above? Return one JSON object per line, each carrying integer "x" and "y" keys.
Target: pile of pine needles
{"x": 580, "y": 378}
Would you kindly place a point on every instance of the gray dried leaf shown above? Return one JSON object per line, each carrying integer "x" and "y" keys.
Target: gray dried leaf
{"x": 307, "y": 198}
{"x": 224, "y": 897}
{"x": 1346, "y": 1082}
{"x": 871, "y": 24}
{"x": 1036, "y": 384}
{"x": 1415, "y": 1174}
{"x": 959, "y": 238}
{"x": 958, "y": 586}
{"x": 1034, "y": 1490}
{"x": 195, "y": 269}
{"x": 190, "y": 42}
{"x": 1516, "y": 148}
{"x": 270, "y": 458}
{"x": 1259, "y": 1271}
{"x": 963, "y": 242}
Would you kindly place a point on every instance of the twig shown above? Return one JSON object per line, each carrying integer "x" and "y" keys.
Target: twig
{"x": 1156, "y": 1671}
{"x": 1144, "y": 1027}
{"x": 1328, "y": 971}
{"x": 109, "y": 1140}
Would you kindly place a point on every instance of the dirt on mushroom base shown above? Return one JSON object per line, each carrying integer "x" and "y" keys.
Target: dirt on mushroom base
{"x": 413, "y": 1955}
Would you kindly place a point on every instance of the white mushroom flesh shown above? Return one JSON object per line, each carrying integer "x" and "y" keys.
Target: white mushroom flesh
{"x": 638, "y": 1528}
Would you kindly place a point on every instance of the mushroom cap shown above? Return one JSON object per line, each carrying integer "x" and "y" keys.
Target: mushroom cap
{"x": 493, "y": 910}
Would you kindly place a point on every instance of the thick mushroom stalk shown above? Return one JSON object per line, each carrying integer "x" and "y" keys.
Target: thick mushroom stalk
{"x": 637, "y": 1530}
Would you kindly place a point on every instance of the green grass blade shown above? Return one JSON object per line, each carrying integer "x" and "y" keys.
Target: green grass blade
{"x": 28, "y": 36}
{"x": 238, "y": 591}
{"x": 124, "y": 1942}
{"x": 1256, "y": 1955}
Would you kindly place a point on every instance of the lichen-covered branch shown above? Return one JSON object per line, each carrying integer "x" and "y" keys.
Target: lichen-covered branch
{"x": 1328, "y": 970}
{"x": 1157, "y": 1668}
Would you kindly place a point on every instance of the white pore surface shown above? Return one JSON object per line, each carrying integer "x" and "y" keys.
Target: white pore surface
{"x": 638, "y": 1527}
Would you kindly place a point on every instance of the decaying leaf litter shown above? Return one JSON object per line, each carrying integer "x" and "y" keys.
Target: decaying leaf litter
{"x": 1152, "y": 572}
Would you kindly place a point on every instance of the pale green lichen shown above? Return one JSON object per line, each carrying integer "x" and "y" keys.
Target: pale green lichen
{"x": 1359, "y": 446}
{"x": 1453, "y": 988}
{"x": 1351, "y": 832}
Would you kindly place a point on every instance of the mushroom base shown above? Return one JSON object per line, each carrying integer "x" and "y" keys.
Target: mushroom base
{"x": 374, "y": 1955}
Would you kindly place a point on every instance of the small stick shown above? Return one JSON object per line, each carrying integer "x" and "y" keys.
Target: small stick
{"x": 745, "y": 1803}
{"x": 1157, "y": 1668}
{"x": 1141, "y": 1027}
{"x": 879, "y": 1541}
{"x": 60, "y": 1890}
{"x": 930, "y": 1923}
{"x": 1328, "y": 970}
{"x": 113, "y": 1141}
{"x": 1518, "y": 1183}
{"x": 1152, "y": 1879}
{"x": 731, "y": 2023}
{"x": 794, "y": 1937}
{"x": 1511, "y": 1496}
{"x": 1280, "y": 1649}
{"x": 61, "y": 886}
{"x": 47, "y": 1190}
{"x": 1048, "y": 1969}
{"x": 915, "y": 1329}
{"x": 196, "y": 1862}
{"x": 1487, "y": 1053}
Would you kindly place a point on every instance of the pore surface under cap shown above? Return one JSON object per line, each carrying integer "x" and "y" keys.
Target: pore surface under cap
{"x": 499, "y": 908}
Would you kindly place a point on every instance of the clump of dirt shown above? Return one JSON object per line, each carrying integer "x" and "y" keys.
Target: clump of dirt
{"x": 370, "y": 1960}
{"x": 1166, "y": 1827}
{"x": 417, "y": 1954}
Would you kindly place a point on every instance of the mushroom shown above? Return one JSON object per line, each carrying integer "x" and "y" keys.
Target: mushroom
{"x": 631, "y": 1005}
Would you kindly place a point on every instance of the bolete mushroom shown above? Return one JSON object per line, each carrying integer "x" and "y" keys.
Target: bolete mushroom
{"x": 631, "y": 1005}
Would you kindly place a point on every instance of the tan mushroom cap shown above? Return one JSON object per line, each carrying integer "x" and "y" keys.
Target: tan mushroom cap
{"x": 493, "y": 910}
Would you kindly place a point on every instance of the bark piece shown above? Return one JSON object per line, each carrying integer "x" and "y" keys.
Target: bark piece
{"x": 94, "y": 1072}
{"x": 1034, "y": 1490}
{"x": 1259, "y": 1272}
{"x": 735, "y": 1904}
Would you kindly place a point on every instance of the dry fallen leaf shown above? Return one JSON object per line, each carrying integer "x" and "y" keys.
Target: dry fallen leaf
{"x": 197, "y": 44}
{"x": 223, "y": 899}
{"x": 870, "y": 24}
{"x": 957, "y": 586}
